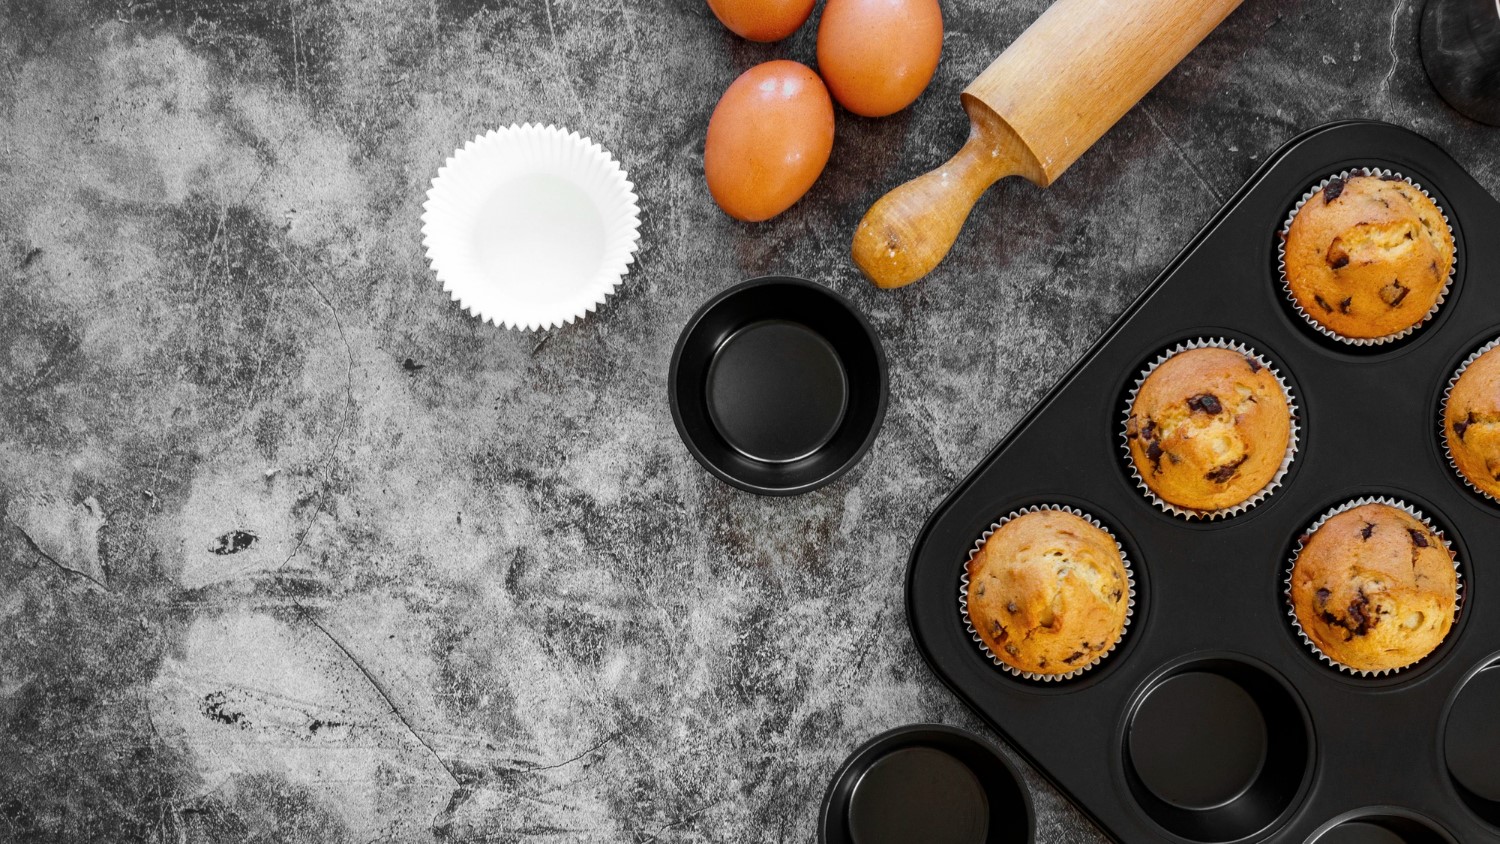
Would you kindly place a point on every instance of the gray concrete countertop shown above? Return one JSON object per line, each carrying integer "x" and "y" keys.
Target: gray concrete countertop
{"x": 294, "y": 550}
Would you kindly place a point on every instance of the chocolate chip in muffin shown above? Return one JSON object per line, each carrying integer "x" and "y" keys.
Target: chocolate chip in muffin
{"x": 1323, "y": 596}
{"x": 1393, "y": 293}
{"x": 1462, "y": 425}
{"x": 1391, "y": 177}
{"x": 1073, "y": 657}
{"x": 1207, "y": 403}
{"x": 1344, "y": 305}
{"x": 1337, "y": 256}
{"x": 1418, "y": 538}
{"x": 1012, "y": 607}
{"x": 1366, "y": 531}
{"x": 1154, "y": 452}
{"x": 1335, "y": 189}
{"x": 1222, "y": 474}
{"x": 1254, "y": 364}
{"x": 1323, "y": 303}
{"x": 1359, "y": 614}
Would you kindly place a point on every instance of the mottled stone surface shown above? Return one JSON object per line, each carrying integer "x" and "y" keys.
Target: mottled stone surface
{"x": 294, "y": 550}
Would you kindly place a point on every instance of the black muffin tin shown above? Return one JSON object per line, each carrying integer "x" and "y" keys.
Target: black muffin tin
{"x": 1213, "y": 722}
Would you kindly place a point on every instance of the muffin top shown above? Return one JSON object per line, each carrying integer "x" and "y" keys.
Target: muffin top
{"x": 1048, "y": 592}
{"x": 1374, "y": 588}
{"x": 1368, "y": 256}
{"x": 1471, "y": 422}
{"x": 1209, "y": 429}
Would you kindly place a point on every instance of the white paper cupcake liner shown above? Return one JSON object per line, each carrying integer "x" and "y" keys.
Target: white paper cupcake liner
{"x": 1443, "y": 417}
{"x": 1286, "y": 286}
{"x": 1286, "y": 461}
{"x": 1291, "y": 566}
{"x": 530, "y": 226}
{"x": 963, "y": 595}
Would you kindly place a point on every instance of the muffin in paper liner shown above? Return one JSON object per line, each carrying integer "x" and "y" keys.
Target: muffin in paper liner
{"x": 530, "y": 226}
{"x": 1458, "y": 601}
{"x": 963, "y": 595}
{"x": 1286, "y": 286}
{"x": 1291, "y": 443}
{"x": 1443, "y": 418}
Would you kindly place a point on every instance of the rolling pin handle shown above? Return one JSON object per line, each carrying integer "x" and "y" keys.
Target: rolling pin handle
{"x": 907, "y": 232}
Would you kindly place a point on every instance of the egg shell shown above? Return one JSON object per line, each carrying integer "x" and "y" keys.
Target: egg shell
{"x": 768, "y": 140}
{"x": 877, "y": 56}
{"x": 762, "y": 20}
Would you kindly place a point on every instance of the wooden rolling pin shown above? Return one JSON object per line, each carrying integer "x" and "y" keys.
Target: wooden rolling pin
{"x": 1032, "y": 112}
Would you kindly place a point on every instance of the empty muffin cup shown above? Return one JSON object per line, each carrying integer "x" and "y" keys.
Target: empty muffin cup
{"x": 930, "y": 783}
{"x": 1217, "y": 749}
{"x": 1381, "y": 825}
{"x": 778, "y": 385}
{"x": 530, "y": 226}
{"x": 1471, "y": 741}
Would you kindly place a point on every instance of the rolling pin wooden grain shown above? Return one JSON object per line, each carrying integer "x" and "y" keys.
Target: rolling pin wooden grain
{"x": 1032, "y": 112}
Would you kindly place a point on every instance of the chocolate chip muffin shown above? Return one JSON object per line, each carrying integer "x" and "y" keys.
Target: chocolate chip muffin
{"x": 1049, "y": 593}
{"x": 1471, "y": 423}
{"x": 1374, "y": 588}
{"x": 1209, "y": 429}
{"x": 1368, "y": 256}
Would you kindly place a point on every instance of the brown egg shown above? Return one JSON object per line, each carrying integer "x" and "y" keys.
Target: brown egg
{"x": 877, "y": 56}
{"x": 768, "y": 140}
{"x": 762, "y": 20}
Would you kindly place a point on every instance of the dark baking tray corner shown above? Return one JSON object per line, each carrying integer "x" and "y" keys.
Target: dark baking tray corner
{"x": 1073, "y": 732}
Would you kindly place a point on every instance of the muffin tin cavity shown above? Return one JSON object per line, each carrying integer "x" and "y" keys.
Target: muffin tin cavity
{"x": 926, "y": 782}
{"x": 778, "y": 385}
{"x": 1471, "y": 741}
{"x": 1214, "y": 722}
{"x": 1377, "y": 615}
{"x": 1381, "y": 826}
{"x": 1216, "y": 750}
{"x": 1373, "y": 242}
{"x": 1226, "y": 414}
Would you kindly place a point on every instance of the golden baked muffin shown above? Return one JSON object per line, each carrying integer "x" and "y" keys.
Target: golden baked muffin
{"x": 1048, "y": 593}
{"x": 1209, "y": 429}
{"x": 1374, "y": 588}
{"x": 1368, "y": 256}
{"x": 1471, "y": 423}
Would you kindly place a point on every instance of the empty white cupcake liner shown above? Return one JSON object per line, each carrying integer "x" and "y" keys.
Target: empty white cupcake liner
{"x": 1443, "y": 417}
{"x": 1291, "y": 567}
{"x": 1286, "y": 285}
{"x": 546, "y": 190}
{"x": 963, "y": 595}
{"x": 1286, "y": 461}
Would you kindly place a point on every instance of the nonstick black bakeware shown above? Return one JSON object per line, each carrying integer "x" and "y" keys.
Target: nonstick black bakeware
{"x": 926, "y": 782}
{"x": 778, "y": 385}
{"x": 1213, "y": 722}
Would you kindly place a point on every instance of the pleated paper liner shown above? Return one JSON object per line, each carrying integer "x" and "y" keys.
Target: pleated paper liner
{"x": 1443, "y": 418}
{"x": 531, "y": 226}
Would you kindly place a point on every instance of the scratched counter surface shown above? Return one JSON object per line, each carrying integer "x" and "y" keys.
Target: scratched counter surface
{"x": 295, "y": 550}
